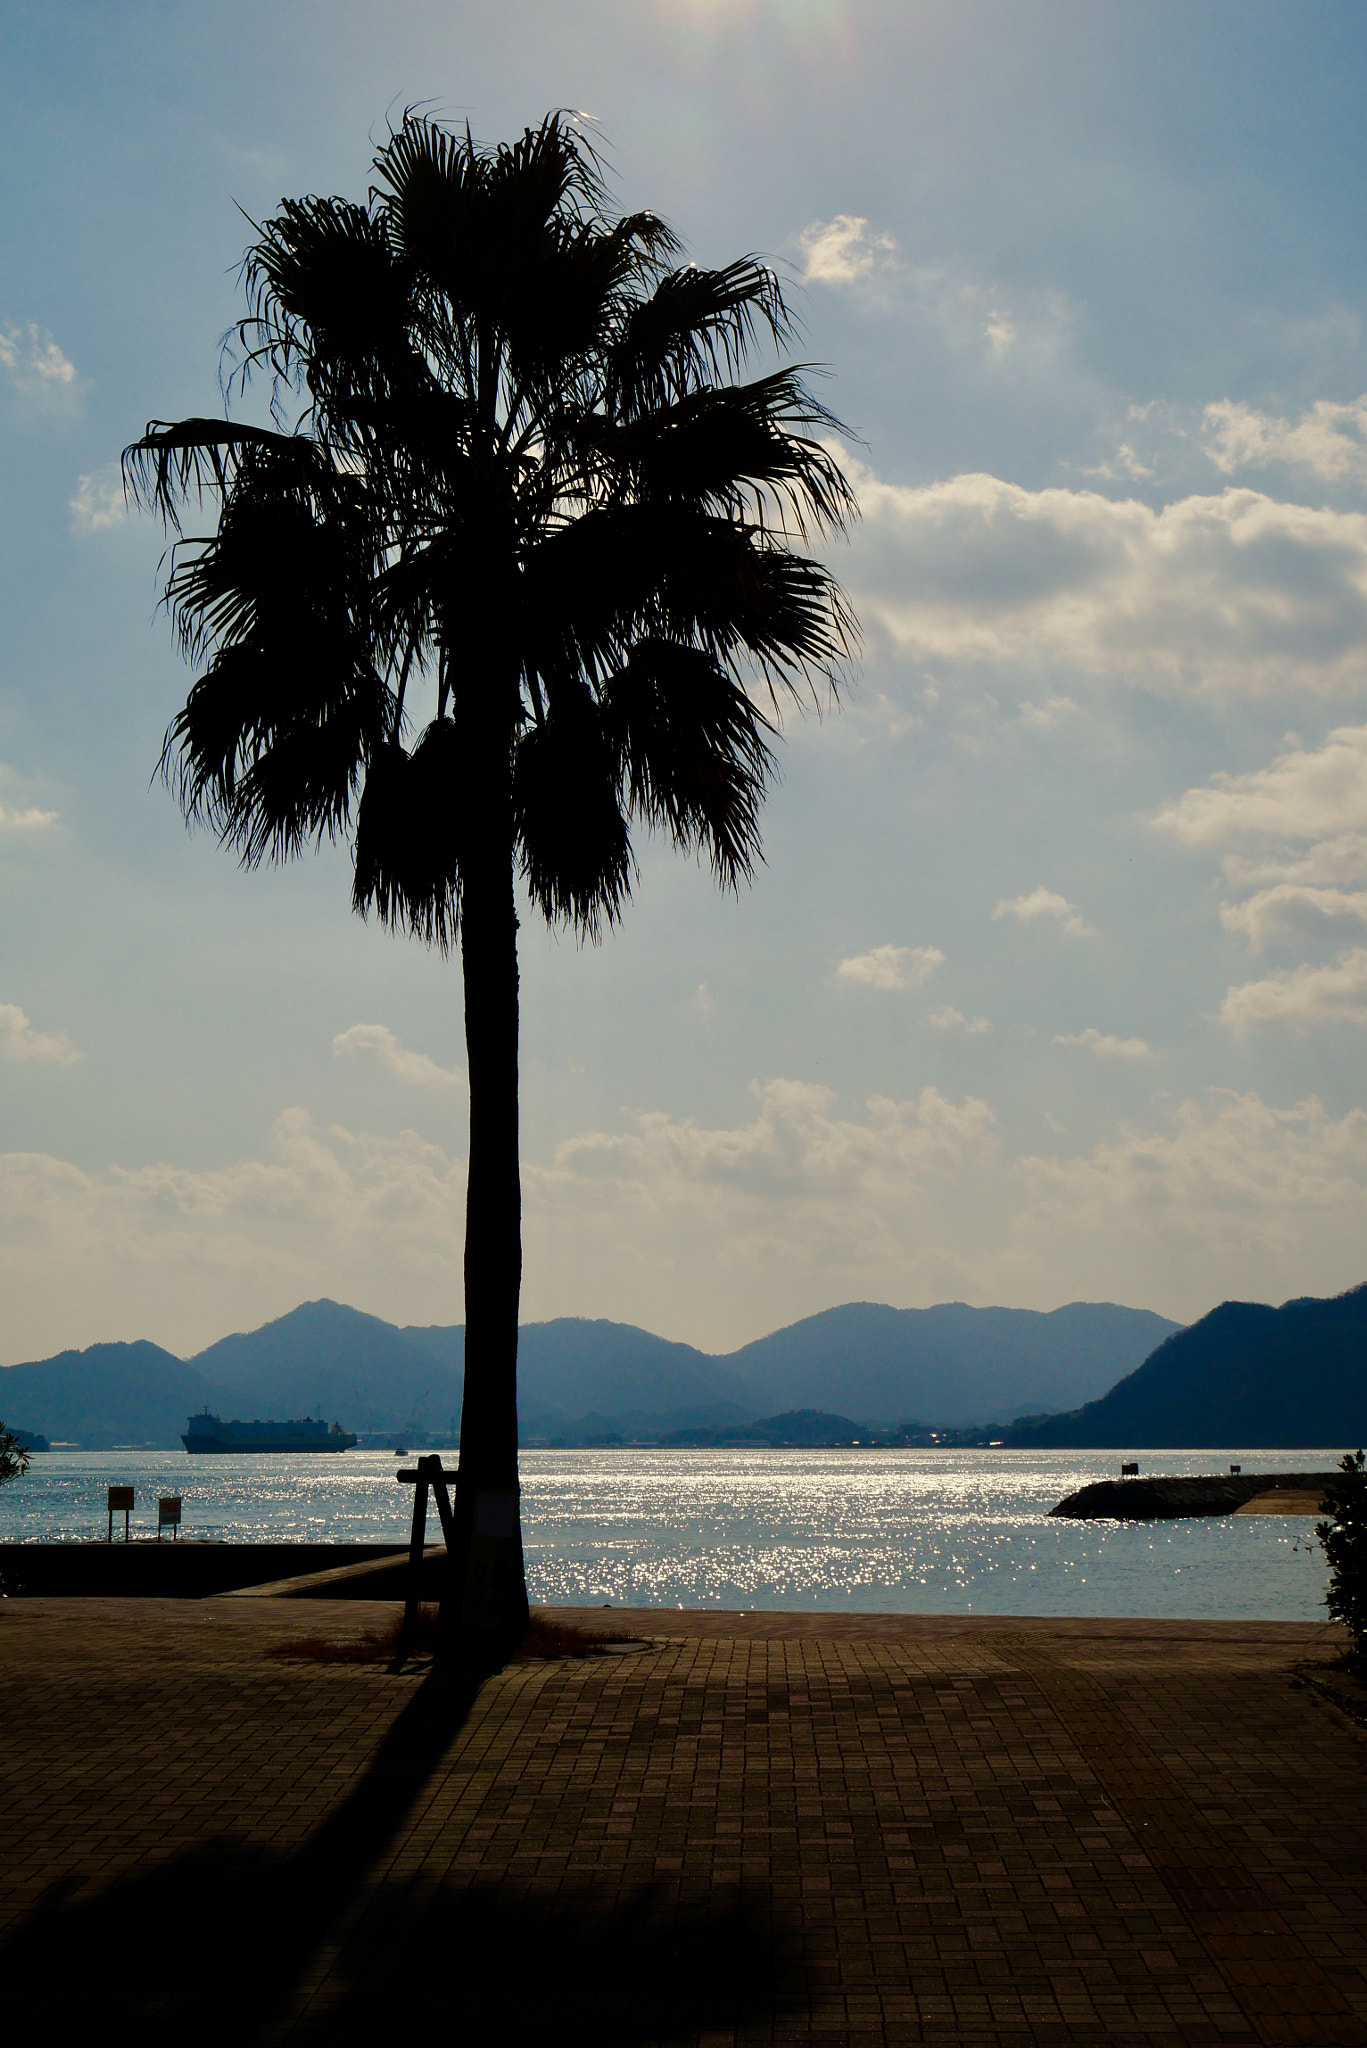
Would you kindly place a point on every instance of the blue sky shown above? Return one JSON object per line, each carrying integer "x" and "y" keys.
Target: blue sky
{"x": 1054, "y": 985}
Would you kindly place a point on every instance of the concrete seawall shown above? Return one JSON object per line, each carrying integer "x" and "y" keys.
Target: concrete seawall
{"x": 1167, "y": 1499}
{"x": 184, "y": 1570}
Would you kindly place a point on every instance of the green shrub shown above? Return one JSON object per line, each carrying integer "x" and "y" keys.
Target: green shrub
{"x": 1345, "y": 1545}
{"x": 13, "y": 1456}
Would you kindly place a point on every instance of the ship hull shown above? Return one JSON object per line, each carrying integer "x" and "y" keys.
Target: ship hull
{"x": 213, "y": 1446}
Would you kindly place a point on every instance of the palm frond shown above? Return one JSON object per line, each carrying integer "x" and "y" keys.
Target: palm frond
{"x": 696, "y": 325}
{"x": 745, "y": 450}
{"x": 409, "y": 828}
{"x": 695, "y": 753}
{"x": 283, "y": 604}
{"x": 332, "y": 306}
{"x": 269, "y": 758}
{"x": 176, "y": 461}
{"x": 574, "y": 843}
{"x": 296, "y": 553}
{"x": 666, "y": 571}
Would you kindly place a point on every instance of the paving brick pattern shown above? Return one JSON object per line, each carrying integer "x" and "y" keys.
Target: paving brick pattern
{"x": 755, "y": 1828}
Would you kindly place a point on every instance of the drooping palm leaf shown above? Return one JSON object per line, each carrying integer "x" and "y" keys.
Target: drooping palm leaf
{"x": 567, "y": 798}
{"x": 694, "y": 753}
{"x": 414, "y": 810}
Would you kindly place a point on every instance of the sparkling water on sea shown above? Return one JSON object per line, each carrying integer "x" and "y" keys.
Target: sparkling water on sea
{"x": 908, "y": 1531}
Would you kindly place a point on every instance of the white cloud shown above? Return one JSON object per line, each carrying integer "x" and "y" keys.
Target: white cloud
{"x": 999, "y": 331}
{"x": 949, "y": 1019}
{"x": 810, "y": 1205}
{"x": 1299, "y": 892}
{"x": 36, "y": 367}
{"x": 413, "y": 1067}
{"x": 872, "y": 717}
{"x": 21, "y": 817}
{"x": 184, "y": 1255}
{"x": 1105, "y": 1045}
{"x": 1236, "y": 591}
{"x": 799, "y": 1190}
{"x": 701, "y": 1228}
{"x": 1329, "y": 441}
{"x": 842, "y": 250}
{"x": 1302, "y": 995}
{"x": 1335, "y": 861}
{"x": 31, "y": 819}
{"x": 1307, "y": 793}
{"x": 1045, "y": 903}
{"x": 891, "y": 967}
{"x": 1053, "y": 711}
{"x": 1025, "y": 336}
{"x": 1290, "y": 910}
{"x": 98, "y": 501}
{"x": 713, "y": 1233}
{"x": 19, "y": 1040}
{"x": 1303, "y": 898}
{"x": 1123, "y": 467}
{"x": 1232, "y": 1177}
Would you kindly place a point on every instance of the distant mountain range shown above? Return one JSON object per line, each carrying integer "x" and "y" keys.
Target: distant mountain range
{"x": 1245, "y": 1376}
{"x": 950, "y": 1367}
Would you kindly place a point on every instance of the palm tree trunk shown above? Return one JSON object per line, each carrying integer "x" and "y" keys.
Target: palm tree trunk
{"x": 486, "y": 1602}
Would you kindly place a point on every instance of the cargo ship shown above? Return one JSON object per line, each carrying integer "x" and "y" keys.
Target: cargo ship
{"x": 207, "y": 1433}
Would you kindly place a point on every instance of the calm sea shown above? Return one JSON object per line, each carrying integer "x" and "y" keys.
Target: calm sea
{"x": 935, "y": 1532}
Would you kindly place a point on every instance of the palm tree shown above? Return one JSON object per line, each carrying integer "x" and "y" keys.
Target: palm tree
{"x": 512, "y": 459}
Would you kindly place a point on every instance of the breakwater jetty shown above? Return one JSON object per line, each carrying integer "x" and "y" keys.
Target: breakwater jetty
{"x": 1167, "y": 1499}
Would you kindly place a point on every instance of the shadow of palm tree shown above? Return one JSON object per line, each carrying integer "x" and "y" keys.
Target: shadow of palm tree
{"x": 238, "y": 1943}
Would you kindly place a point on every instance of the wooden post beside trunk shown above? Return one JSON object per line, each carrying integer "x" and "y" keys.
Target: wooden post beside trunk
{"x": 429, "y": 1474}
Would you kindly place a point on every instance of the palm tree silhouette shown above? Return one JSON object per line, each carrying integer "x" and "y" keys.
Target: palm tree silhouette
{"x": 511, "y": 454}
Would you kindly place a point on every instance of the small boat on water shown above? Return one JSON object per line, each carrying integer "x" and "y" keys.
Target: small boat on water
{"x": 207, "y": 1433}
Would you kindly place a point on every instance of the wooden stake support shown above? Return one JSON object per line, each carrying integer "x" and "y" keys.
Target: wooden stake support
{"x": 429, "y": 1474}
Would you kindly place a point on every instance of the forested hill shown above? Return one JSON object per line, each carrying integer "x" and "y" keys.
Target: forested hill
{"x": 108, "y": 1394}
{"x": 946, "y": 1367}
{"x": 1245, "y": 1376}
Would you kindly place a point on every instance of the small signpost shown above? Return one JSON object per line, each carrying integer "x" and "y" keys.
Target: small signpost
{"x": 119, "y": 1497}
{"x": 1129, "y": 1471}
{"x": 429, "y": 1473}
{"x": 168, "y": 1516}
{"x": 1235, "y": 1470}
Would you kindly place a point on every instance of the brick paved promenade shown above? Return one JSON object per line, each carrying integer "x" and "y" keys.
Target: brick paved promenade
{"x": 760, "y": 1827}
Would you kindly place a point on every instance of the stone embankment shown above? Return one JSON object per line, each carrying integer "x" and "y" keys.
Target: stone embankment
{"x": 1162, "y": 1499}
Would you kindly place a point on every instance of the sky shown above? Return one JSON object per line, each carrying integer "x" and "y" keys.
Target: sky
{"x": 1053, "y": 985}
